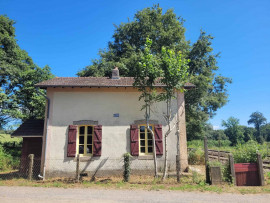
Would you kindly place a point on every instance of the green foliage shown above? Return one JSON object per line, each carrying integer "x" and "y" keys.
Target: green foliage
{"x": 233, "y": 130}
{"x": 258, "y": 120}
{"x": 212, "y": 144}
{"x": 224, "y": 168}
{"x": 18, "y": 74}
{"x": 217, "y": 135}
{"x": 167, "y": 30}
{"x": 247, "y": 153}
{"x": 127, "y": 169}
{"x": 7, "y": 161}
{"x": 248, "y": 133}
{"x": 210, "y": 93}
{"x": 196, "y": 156}
{"x": 265, "y": 132}
{"x": 174, "y": 72}
{"x": 146, "y": 74}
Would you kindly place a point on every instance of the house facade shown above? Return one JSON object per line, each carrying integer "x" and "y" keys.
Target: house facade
{"x": 100, "y": 119}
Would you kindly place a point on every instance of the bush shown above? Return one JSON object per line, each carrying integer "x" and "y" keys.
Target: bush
{"x": 216, "y": 143}
{"x": 196, "y": 156}
{"x": 126, "y": 173}
{"x": 225, "y": 170}
{"x": 210, "y": 143}
{"x": 247, "y": 153}
{"x": 7, "y": 162}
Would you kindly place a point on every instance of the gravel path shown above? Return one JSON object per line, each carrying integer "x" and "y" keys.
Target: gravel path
{"x": 36, "y": 194}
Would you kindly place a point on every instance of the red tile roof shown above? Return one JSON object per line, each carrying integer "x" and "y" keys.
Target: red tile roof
{"x": 94, "y": 82}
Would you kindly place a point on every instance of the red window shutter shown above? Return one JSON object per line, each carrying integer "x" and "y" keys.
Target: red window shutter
{"x": 158, "y": 139}
{"x": 97, "y": 141}
{"x": 134, "y": 140}
{"x": 72, "y": 135}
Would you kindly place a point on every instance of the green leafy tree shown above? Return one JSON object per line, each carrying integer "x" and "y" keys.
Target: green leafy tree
{"x": 210, "y": 93}
{"x": 167, "y": 30}
{"x": 258, "y": 120}
{"x": 18, "y": 74}
{"x": 265, "y": 132}
{"x": 147, "y": 73}
{"x": 233, "y": 130}
{"x": 217, "y": 135}
{"x": 248, "y": 133}
{"x": 175, "y": 74}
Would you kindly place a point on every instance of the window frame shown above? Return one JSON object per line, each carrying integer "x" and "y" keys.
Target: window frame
{"x": 85, "y": 140}
{"x": 146, "y": 139}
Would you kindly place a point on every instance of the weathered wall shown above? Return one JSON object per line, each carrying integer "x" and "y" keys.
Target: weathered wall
{"x": 99, "y": 104}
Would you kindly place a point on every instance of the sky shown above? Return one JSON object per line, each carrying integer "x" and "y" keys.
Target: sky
{"x": 67, "y": 35}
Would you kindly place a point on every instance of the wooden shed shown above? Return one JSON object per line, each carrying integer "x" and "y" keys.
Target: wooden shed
{"x": 31, "y": 131}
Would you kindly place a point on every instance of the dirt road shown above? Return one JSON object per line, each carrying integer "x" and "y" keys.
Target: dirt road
{"x": 36, "y": 194}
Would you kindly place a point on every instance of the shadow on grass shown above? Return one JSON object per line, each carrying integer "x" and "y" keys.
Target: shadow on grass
{"x": 9, "y": 175}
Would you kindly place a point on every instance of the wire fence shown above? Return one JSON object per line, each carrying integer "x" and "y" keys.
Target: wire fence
{"x": 92, "y": 167}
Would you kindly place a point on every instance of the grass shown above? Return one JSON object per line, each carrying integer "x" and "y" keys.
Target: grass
{"x": 142, "y": 183}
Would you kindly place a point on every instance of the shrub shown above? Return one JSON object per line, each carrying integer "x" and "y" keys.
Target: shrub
{"x": 196, "y": 156}
{"x": 7, "y": 162}
{"x": 217, "y": 143}
{"x": 247, "y": 153}
{"x": 210, "y": 143}
{"x": 126, "y": 174}
{"x": 225, "y": 170}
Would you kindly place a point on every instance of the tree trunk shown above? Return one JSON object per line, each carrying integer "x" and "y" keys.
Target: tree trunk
{"x": 168, "y": 116}
{"x": 166, "y": 160}
{"x": 154, "y": 150}
{"x": 147, "y": 116}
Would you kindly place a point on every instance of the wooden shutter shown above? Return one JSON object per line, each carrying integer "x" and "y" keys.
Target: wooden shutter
{"x": 97, "y": 141}
{"x": 158, "y": 139}
{"x": 72, "y": 135}
{"x": 134, "y": 140}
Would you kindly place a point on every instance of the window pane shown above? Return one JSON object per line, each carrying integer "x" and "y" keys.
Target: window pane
{"x": 149, "y": 136}
{"x": 89, "y": 139}
{"x": 150, "y": 149}
{"x": 82, "y": 130}
{"x": 142, "y": 149}
{"x": 81, "y": 140}
{"x": 89, "y": 149}
{"x": 81, "y": 149}
{"x": 142, "y": 143}
{"x": 142, "y": 136}
{"x": 150, "y": 143}
{"x": 142, "y": 128}
{"x": 89, "y": 130}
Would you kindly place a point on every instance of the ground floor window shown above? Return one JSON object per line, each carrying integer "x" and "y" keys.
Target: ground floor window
{"x": 145, "y": 140}
{"x": 85, "y": 140}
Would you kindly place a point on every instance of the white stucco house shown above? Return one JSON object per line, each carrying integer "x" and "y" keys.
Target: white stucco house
{"x": 100, "y": 119}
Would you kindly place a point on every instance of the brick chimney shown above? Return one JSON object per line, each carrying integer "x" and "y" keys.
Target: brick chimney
{"x": 115, "y": 73}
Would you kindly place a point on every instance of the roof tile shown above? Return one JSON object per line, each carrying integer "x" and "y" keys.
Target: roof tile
{"x": 94, "y": 82}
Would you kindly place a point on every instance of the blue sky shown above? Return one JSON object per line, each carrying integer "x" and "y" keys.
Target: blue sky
{"x": 66, "y": 35}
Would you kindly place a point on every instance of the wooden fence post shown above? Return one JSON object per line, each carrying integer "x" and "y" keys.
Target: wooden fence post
{"x": 207, "y": 170}
{"x": 260, "y": 168}
{"x": 178, "y": 168}
{"x": 78, "y": 168}
{"x": 231, "y": 161}
{"x": 30, "y": 166}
